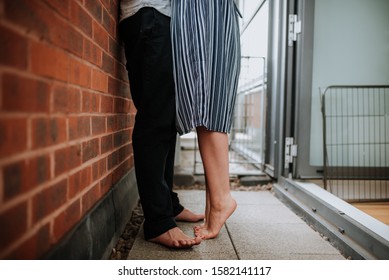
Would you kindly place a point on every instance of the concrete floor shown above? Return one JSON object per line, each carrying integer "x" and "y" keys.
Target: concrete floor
{"x": 262, "y": 228}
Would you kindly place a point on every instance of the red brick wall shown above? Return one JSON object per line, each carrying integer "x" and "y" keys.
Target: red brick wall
{"x": 66, "y": 118}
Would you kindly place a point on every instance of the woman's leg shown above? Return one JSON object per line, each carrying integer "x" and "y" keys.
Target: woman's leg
{"x": 199, "y": 228}
{"x": 214, "y": 153}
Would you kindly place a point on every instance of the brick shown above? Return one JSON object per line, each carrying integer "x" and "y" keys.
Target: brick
{"x": 90, "y": 101}
{"x": 111, "y": 123}
{"x": 81, "y": 18}
{"x": 114, "y": 10}
{"x": 120, "y": 171}
{"x": 117, "y": 122}
{"x": 102, "y": 167}
{"x": 49, "y": 62}
{"x": 61, "y": 34}
{"x": 95, "y": 8}
{"x": 106, "y": 143}
{"x": 48, "y": 131}
{"x": 122, "y": 105}
{"x": 1, "y": 9}
{"x": 106, "y": 4}
{"x": 108, "y": 64}
{"x": 74, "y": 42}
{"x": 132, "y": 108}
{"x": 99, "y": 169}
{"x": 33, "y": 16}
{"x": 118, "y": 88}
{"x": 109, "y": 23}
{"x": 66, "y": 100}
{"x": 79, "y": 127}
{"x": 66, "y": 220}
{"x": 106, "y": 184}
{"x": 13, "y": 224}
{"x": 100, "y": 36}
{"x": 124, "y": 152}
{"x": 24, "y": 175}
{"x": 106, "y": 104}
{"x": 113, "y": 160}
{"x": 35, "y": 247}
{"x": 79, "y": 181}
{"x": 92, "y": 52}
{"x": 130, "y": 120}
{"x": 116, "y": 50}
{"x": 38, "y": 18}
{"x": 120, "y": 138}
{"x": 79, "y": 73}
{"x": 122, "y": 74}
{"x": 38, "y": 170}
{"x": 48, "y": 200}
{"x": 13, "y": 49}
{"x": 25, "y": 95}
{"x": 99, "y": 80}
{"x": 90, "y": 198}
{"x": 131, "y": 161}
{"x": 98, "y": 125}
{"x": 131, "y": 132}
{"x": 13, "y": 136}
{"x": 60, "y": 6}
{"x": 113, "y": 85}
{"x": 13, "y": 179}
{"x": 90, "y": 149}
{"x": 67, "y": 158}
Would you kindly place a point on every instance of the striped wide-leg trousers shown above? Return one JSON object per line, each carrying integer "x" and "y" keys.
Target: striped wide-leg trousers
{"x": 206, "y": 59}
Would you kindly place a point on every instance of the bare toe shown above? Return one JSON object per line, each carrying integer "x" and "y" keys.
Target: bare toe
{"x": 175, "y": 238}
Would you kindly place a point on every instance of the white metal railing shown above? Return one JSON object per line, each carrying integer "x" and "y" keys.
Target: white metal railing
{"x": 248, "y": 130}
{"x": 356, "y": 141}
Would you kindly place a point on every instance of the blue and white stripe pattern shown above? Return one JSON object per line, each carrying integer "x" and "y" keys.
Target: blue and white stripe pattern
{"x": 206, "y": 55}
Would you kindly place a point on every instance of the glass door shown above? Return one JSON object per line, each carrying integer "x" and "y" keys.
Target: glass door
{"x": 342, "y": 42}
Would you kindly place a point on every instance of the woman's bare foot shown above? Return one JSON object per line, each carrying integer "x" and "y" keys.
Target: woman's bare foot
{"x": 217, "y": 218}
{"x": 197, "y": 229}
{"x": 188, "y": 216}
{"x": 175, "y": 238}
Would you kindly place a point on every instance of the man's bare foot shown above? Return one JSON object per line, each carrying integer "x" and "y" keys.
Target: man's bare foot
{"x": 188, "y": 216}
{"x": 175, "y": 238}
{"x": 217, "y": 218}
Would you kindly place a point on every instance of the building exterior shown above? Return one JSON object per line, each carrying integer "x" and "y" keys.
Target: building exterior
{"x": 67, "y": 184}
{"x": 66, "y": 167}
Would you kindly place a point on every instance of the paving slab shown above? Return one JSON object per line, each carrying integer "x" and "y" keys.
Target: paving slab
{"x": 255, "y": 198}
{"x": 191, "y": 197}
{"x": 263, "y": 214}
{"x": 220, "y": 248}
{"x": 278, "y": 239}
{"x": 291, "y": 256}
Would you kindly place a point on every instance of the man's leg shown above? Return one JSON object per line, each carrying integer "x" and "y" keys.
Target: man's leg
{"x": 180, "y": 213}
{"x": 149, "y": 64}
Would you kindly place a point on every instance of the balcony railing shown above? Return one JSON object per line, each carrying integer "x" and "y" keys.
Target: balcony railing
{"x": 356, "y": 141}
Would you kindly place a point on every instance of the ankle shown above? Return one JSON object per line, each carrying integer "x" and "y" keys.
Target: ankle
{"x": 221, "y": 201}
